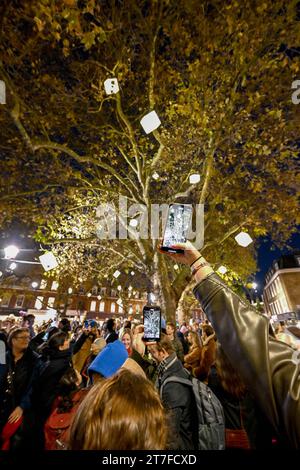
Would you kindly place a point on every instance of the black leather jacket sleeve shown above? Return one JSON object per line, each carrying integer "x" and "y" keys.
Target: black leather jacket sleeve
{"x": 269, "y": 368}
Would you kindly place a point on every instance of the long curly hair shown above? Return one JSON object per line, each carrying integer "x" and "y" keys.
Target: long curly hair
{"x": 229, "y": 377}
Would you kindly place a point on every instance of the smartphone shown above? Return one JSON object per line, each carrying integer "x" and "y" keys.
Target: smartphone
{"x": 152, "y": 323}
{"x": 177, "y": 226}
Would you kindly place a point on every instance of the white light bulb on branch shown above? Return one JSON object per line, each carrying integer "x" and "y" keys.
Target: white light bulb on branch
{"x": 133, "y": 223}
{"x": 155, "y": 176}
{"x": 116, "y": 274}
{"x": 150, "y": 122}
{"x": 195, "y": 178}
{"x": 222, "y": 270}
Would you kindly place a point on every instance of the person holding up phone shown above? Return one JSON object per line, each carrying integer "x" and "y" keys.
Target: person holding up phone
{"x": 269, "y": 368}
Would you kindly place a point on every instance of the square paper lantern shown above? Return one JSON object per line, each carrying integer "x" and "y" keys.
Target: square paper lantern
{"x": 243, "y": 239}
{"x": 116, "y": 274}
{"x": 111, "y": 86}
{"x": 48, "y": 261}
{"x": 150, "y": 122}
{"x": 2, "y": 92}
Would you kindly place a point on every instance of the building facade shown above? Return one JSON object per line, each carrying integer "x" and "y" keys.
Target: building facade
{"x": 46, "y": 300}
{"x": 282, "y": 288}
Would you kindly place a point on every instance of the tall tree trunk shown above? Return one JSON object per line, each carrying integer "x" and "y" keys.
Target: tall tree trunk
{"x": 163, "y": 288}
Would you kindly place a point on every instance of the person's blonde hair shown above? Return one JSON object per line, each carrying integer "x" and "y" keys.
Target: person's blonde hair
{"x": 123, "y": 412}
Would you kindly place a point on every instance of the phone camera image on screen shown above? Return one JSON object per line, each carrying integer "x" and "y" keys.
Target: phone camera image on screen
{"x": 177, "y": 226}
{"x": 152, "y": 323}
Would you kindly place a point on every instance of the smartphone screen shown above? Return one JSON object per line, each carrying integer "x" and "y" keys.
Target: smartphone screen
{"x": 152, "y": 323}
{"x": 178, "y": 223}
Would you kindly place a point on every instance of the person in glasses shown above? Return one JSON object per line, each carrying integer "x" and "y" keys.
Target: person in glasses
{"x": 16, "y": 380}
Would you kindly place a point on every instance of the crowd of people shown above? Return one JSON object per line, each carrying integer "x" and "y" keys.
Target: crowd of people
{"x": 95, "y": 386}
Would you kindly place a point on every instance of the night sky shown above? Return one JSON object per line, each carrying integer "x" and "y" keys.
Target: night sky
{"x": 266, "y": 256}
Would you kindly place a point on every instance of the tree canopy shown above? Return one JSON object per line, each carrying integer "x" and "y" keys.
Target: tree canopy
{"x": 219, "y": 76}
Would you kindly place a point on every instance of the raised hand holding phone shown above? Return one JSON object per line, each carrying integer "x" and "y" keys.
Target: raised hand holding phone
{"x": 177, "y": 226}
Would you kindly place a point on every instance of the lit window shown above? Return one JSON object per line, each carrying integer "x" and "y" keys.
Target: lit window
{"x": 102, "y": 307}
{"x": 54, "y": 285}
{"x": 39, "y": 303}
{"x": 5, "y": 300}
{"x": 51, "y": 301}
{"x": 113, "y": 307}
{"x": 93, "y": 306}
{"x": 19, "y": 301}
{"x": 43, "y": 284}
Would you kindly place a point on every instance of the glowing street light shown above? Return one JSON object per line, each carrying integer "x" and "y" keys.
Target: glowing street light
{"x": 222, "y": 270}
{"x": 11, "y": 251}
{"x": 243, "y": 239}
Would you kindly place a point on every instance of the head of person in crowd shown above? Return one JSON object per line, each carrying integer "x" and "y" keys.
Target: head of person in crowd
{"x": 126, "y": 338}
{"x": 64, "y": 325}
{"x": 161, "y": 349}
{"x": 92, "y": 327}
{"x": 123, "y": 412}
{"x": 183, "y": 328}
{"x": 108, "y": 361}
{"x": 18, "y": 340}
{"x": 28, "y": 320}
{"x": 97, "y": 346}
{"x": 127, "y": 324}
{"x": 69, "y": 383}
{"x": 171, "y": 330}
{"x": 57, "y": 342}
{"x": 110, "y": 325}
{"x": 229, "y": 377}
{"x": 193, "y": 340}
{"x": 207, "y": 331}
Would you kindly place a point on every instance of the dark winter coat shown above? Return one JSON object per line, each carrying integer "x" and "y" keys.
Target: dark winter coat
{"x": 178, "y": 399}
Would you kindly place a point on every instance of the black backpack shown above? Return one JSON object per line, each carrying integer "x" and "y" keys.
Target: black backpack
{"x": 211, "y": 424}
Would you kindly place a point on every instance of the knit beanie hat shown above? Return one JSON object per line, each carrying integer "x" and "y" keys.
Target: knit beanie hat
{"x": 109, "y": 360}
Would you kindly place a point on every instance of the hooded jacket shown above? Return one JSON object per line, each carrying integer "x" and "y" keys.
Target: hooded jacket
{"x": 269, "y": 368}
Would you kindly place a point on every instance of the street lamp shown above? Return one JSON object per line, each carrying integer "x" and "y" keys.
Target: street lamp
{"x": 11, "y": 251}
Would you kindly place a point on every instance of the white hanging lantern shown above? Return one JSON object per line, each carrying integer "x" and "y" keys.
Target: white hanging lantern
{"x": 243, "y": 239}
{"x": 150, "y": 122}
{"x": 111, "y": 86}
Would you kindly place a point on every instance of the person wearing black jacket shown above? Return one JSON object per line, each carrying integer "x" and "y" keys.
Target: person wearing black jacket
{"x": 56, "y": 358}
{"x": 17, "y": 378}
{"x": 269, "y": 368}
{"x": 177, "y": 398}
